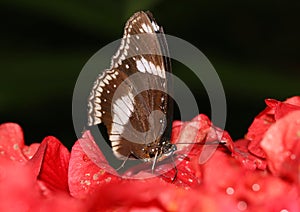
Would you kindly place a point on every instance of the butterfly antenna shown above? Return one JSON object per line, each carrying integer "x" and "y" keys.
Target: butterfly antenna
{"x": 154, "y": 162}
{"x": 209, "y": 143}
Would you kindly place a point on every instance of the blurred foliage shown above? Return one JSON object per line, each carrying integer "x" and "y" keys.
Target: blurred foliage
{"x": 253, "y": 45}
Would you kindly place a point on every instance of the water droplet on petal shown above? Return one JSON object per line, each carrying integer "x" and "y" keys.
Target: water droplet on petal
{"x": 85, "y": 158}
{"x": 242, "y": 205}
{"x": 85, "y": 182}
{"x": 96, "y": 176}
{"x": 255, "y": 187}
{"x": 293, "y": 157}
{"x": 298, "y": 134}
{"x": 230, "y": 191}
{"x": 108, "y": 179}
{"x": 16, "y": 146}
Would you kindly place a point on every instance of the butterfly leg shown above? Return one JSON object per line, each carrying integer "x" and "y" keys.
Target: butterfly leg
{"x": 154, "y": 162}
{"x": 123, "y": 163}
{"x": 175, "y": 168}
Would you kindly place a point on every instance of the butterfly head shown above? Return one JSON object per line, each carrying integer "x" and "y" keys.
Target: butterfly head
{"x": 158, "y": 151}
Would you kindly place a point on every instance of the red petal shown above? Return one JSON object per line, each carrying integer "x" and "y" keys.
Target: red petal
{"x": 273, "y": 112}
{"x": 35, "y": 163}
{"x": 283, "y": 109}
{"x": 224, "y": 177}
{"x": 256, "y": 131}
{"x": 54, "y": 170}
{"x": 12, "y": 142}
{"x": 188, "y": 172}
{"x": 176, "y": 128}
{"x": 247, "y": 159}
{"x": 196, "y": 141}
{"x": 85, "y": 176}
{"x": 29, "y": 151}
{"x": 264, "y": 192}
{"x": 153, "y": 195}
{"x": 282, "y": 146}
{"x": 20, "y": 192}
{"x": 295, "y": 100}
{"x": 190, "y": 132}
{"x": 221, "y": 172}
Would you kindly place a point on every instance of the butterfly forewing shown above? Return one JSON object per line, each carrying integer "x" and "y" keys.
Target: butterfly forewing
{"x": 125, "y": 96}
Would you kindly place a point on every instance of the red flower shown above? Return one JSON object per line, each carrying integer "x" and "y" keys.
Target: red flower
{"x": 247, "y": 159}
{"x": 282, "y": 146}
{"x": 246, "y": 189}
{"x": 29, "y": 177}
{"x": 12, "y": 144}
{"x": 88, "y": 173}
{"x": 273, "y": 112}
{"x": 213, "y": 172}
{"x": 54, "y": 169}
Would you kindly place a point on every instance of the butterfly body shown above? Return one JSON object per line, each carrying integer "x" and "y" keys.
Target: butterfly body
{"x": 131, "y": 98}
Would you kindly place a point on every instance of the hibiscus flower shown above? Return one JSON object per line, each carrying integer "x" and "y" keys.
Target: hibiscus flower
{"x": 209, "y": 172}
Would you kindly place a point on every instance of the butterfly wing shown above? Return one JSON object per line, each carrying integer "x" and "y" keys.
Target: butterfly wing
{"x": 125, "y": 96}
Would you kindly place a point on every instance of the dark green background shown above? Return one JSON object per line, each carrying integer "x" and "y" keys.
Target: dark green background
{"x": 254, "y": 47}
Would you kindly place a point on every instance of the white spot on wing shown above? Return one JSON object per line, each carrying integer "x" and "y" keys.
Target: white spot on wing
{"x": 98, "y": 113}
{"x": 114, "y": 138}
{"x": 146, "y": 65}
{"x": 117, "y": 129}
{"x": 162, "y": 71}
{"x": 98, "y": 94}
{"x": 121, "y": 104}
{"x": 155, "y": 26}
{"x": 105, "y": 81}
{"x": 97, "y": 100}
{"x": 98, "y": 107}
{"x": 159, "y": 71}
{"x": 128, "y": 101}
{"x": 108, "y": 77}
{"x": 153, "y": 68}
{"x": 100, "y": 89}
{"x": 123, "y": 109}
{"x": 147, "y": 28}
{"x": 140, "y": 66}
{"x": 118, "y": 112}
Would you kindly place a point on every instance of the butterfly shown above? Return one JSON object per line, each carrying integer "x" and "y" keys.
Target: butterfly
{"x": 131, "y": 97}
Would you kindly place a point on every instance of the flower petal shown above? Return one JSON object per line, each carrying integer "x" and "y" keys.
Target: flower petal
{"x": 12, "y": 142}
{"x": 154, "y": 195}
{"x": 54, "y": 169}
{"x": 20, "y": 192}
{"x": 85, "y": 177}
{"x": 29, "y": 151}
{"x": 274, "y": 111}
{"x": 246, "y": 158}
{"x": 282, "y": 146}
